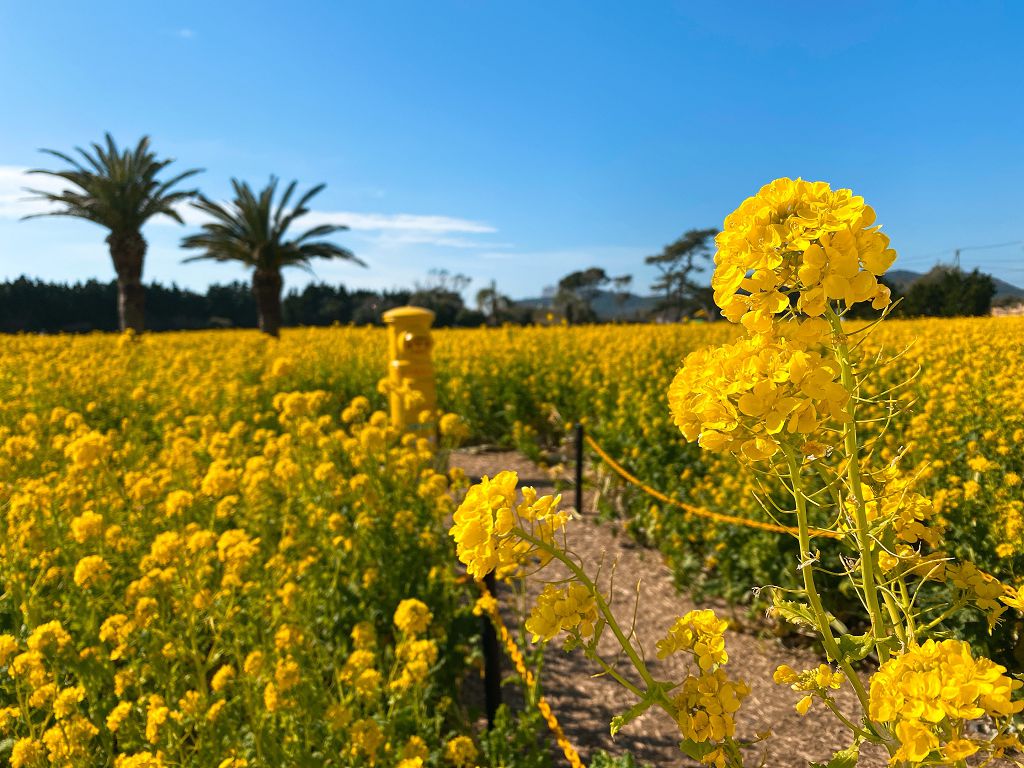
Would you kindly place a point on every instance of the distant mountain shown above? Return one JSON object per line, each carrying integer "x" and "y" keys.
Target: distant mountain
{"x": 904, "y": 278}
{"x": 615, "y": 306}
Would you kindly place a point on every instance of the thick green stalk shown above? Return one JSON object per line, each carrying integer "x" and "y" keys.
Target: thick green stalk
{"x": 807, "y": 571}
{"x": 867, "y": 556}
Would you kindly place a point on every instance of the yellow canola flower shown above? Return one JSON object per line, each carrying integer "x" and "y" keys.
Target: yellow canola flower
{"x": 484, "y": 522}
{"x": 412, "y": 617}
{"x": 416, "y": 658}
{"x": 933, "y": 688}
{"x": 744, "y": 398}
{"x": 90, "y": 571}
{"x": 8, "y": 648}
{"x": 818, "y": 681}
{"x": 140, "y": 760}
{"x": 563, "y": 609}
{"x": 27, "y": 752}
{"x": 365, "y": 739}
{"x": 461, "y": 752}
{"x": 88, "y": 451}
{"x": 700, "y": 632}
{"x": 802, "y": 241}
{"x": 706, "y": 706}
{"x": 67, "y": 701}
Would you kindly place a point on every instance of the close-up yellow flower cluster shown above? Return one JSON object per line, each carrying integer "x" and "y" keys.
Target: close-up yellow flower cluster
{"x": 799, "y": 242}
{"x": 484, "y": 522}
{"x": 707, "y": 702}
{"x": 571, "y": 608}
{"x": 929, "y": 693}
{"x": 738, "y": 397}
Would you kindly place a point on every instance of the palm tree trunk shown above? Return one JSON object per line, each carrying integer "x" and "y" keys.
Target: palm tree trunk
{"x": 128, "y": 251}
{"x": 266, "y": 287}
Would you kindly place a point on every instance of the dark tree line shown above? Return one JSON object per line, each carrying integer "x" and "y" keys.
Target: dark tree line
{"x": 949, "y": 292}
{"x": 35, "y": 306}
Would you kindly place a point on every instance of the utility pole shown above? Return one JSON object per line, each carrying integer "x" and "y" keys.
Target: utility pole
{"x": 956, "y": 259}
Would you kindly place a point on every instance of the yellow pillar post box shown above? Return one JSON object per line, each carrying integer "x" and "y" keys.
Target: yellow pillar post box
{"x": 410, "y": 370}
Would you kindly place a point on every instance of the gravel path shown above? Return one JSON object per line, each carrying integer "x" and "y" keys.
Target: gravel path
{"x": 586, "y": 704}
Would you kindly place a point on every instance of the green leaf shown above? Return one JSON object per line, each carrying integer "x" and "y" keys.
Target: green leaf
{"x": 846, "y": 758}
{"x": 631, "y": 714}
{"x": 796, "y": 613}
{"x": 855, "y": 647}
{"x": 695, "y": 750}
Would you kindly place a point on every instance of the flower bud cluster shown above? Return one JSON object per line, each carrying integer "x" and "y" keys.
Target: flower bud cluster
{"x": 813, "y": 682}
{"x": 707, "y": 702}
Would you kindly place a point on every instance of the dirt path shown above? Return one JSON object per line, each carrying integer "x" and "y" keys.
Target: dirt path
{"x": 585, "y": 705}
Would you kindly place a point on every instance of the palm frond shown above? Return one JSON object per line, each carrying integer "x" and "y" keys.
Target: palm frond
{"x": 253, "y": 230}
{"x": 119, "y": 190}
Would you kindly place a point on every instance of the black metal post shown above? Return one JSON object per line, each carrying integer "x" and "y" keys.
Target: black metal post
{"x": 579, "y": 467}
{"x": 492, "y": 659}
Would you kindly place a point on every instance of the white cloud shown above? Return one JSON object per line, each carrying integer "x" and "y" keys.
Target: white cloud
{"x": 402, "y": 222}
{"x": 15, "y": 202}
{"x": 185, "y": 33}
{"x": 387, "y": 229}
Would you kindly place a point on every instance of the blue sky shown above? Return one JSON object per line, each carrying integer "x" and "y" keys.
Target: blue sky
{"x": 518, "y": 141}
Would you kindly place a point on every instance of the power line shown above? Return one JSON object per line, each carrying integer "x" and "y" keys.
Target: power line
{"x": 956, "y": 252}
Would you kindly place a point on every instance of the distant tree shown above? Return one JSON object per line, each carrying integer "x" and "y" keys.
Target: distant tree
{"x": 576, "y": 294}
{"x": 253, "y": 231}
{"x": 231, "y": 305}
{"x": 494, "y": 305}
{"x": 368, "y": 306}
{"x": 949, "y": 292}
{"x": 441, "y": 293}
{"x": 172, "y": 308}
{"x": 317, "y": 304}
{"x": 676, "y": 263}
{"x": 120, "y": 191}
{"x": 621, "y": 286}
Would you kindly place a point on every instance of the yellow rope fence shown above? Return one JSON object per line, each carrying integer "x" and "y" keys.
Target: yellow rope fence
{"x": 489, "y": 604}
{"x": 699, "y": 511}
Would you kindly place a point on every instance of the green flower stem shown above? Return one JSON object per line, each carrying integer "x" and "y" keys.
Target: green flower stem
{"x": 894, "y": 615}
{"x": 612, "y": 672}
{"x": 845, "y": 720}
{"x": 867, "y": 556}
{"x": 609, "y": 617}
{"x": 956, "y": 606}
{"x": 807, "y": 571}
{"x": 911, "y": 633}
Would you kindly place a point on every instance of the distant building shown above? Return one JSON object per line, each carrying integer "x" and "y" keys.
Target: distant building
{"x": 1008, "y": 310}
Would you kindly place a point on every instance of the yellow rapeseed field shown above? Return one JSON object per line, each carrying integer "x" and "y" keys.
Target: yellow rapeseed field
{"x": 209, "y": 537}
{"x": 213, "y": 556}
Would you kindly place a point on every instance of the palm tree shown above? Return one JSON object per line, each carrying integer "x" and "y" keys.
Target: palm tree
{"x": 119, "y": 191}
{"x": 251, "y": 230}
